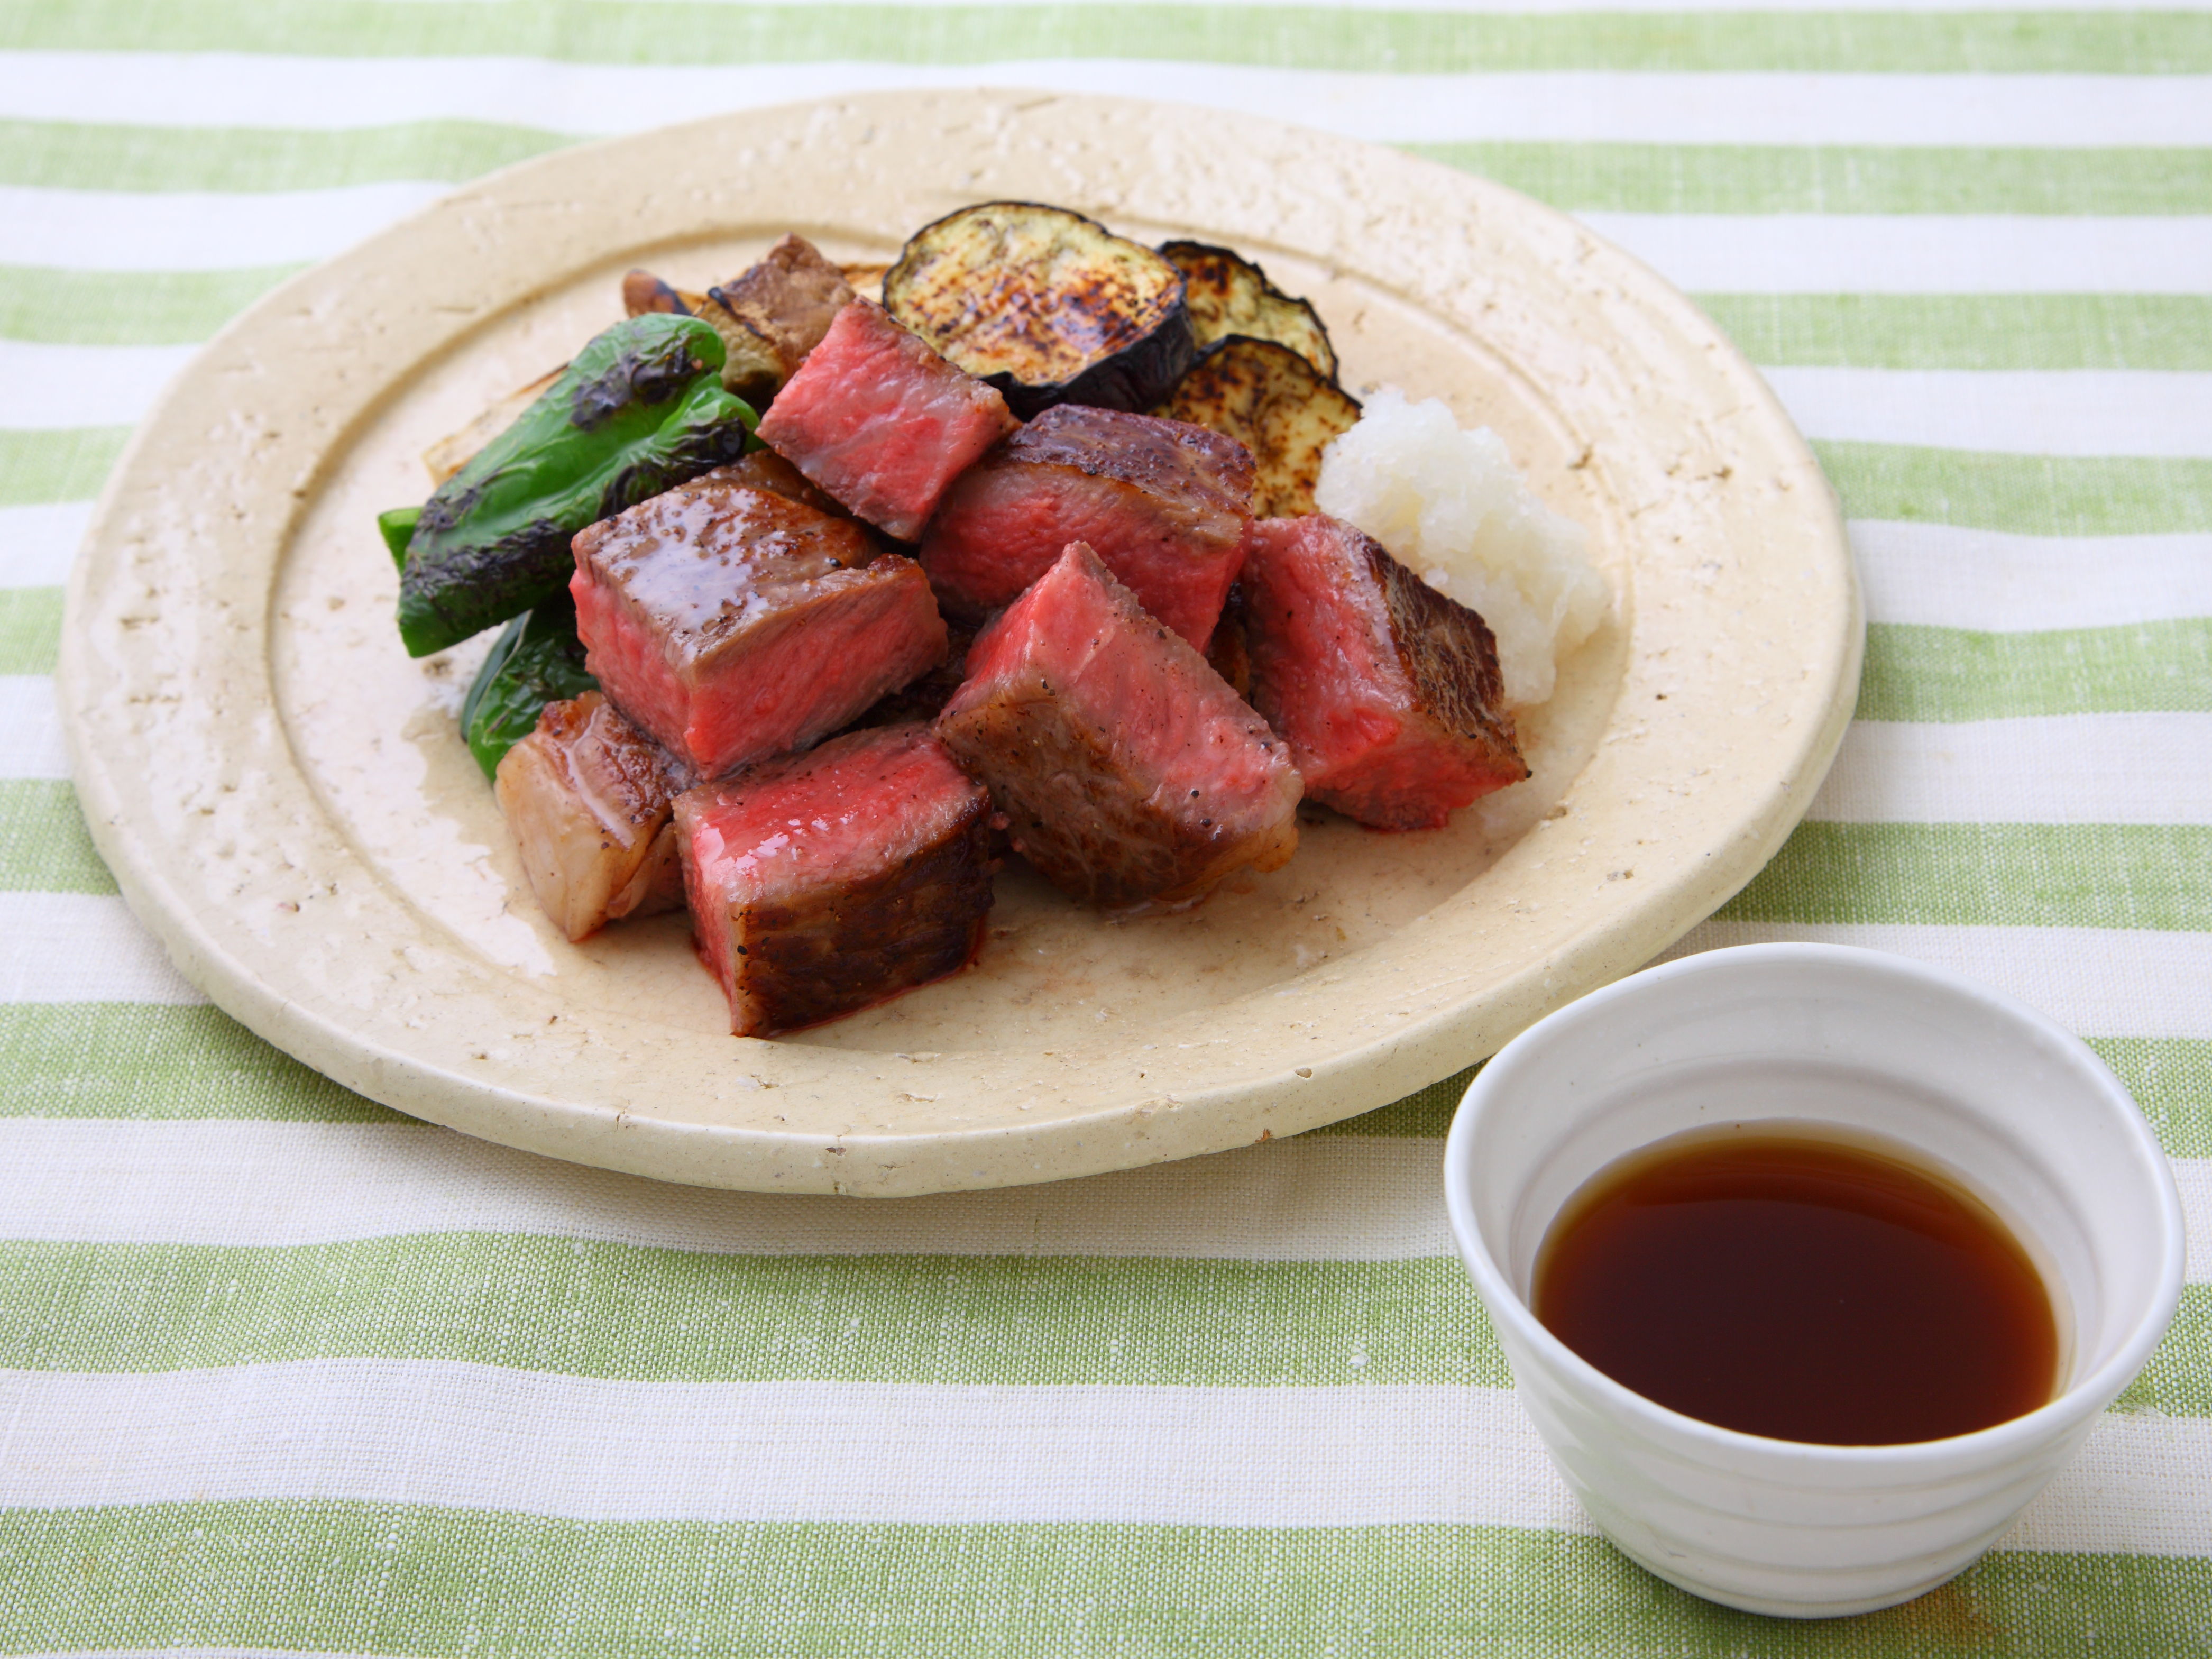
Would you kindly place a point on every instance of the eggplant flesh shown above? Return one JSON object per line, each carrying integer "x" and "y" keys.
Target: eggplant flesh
{"x": 1228, "y": 295}
{"x": 1046, "y": 305}
{"x": 1278, "y": 406}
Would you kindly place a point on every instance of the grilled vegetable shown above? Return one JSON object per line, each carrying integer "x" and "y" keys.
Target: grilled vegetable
{"x": 1228, "y": 295}
{"x": 640, "y": 410}
{"x": 451, "y": 453}
{"x": 398, "y": 529}
{"x": 537, "y": 660}
{"x": 1273, "y": 402}
{"x": 1049, "y": 306}
{"x": 768, "y": 318}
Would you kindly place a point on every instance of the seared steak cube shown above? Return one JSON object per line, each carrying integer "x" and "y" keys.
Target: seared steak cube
{"x": 1388, "y": 692}
{"x": 1132, "y": 776}
{"x": 1163, "y": 503}
{"x": 733, "y": 623}
{"x": 587, "y": 798}
{"x": 881, "y": 421}
{"x": 821, "y": 884}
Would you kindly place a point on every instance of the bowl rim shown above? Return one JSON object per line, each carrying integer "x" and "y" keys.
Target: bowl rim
{"x": 2015, "y": 1438}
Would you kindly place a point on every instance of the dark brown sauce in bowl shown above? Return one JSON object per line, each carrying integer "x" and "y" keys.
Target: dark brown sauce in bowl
{"x": 1787, "y": 1284}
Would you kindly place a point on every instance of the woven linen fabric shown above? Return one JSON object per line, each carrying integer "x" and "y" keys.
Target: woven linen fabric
{"x": 283, "y": 1371}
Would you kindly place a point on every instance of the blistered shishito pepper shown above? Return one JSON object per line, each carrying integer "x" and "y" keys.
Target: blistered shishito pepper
{"x": 537, "y": 660}
{"x": 640, "y": 408}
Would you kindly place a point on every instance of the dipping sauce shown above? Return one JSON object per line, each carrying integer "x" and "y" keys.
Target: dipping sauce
{"x": 1807, "y": 1288}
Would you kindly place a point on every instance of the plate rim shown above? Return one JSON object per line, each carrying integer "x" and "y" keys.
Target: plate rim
{"x": 1113, "y": 1136}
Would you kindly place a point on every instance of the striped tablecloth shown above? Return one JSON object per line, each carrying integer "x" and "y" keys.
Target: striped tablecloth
{"x": 286, "y": 1371}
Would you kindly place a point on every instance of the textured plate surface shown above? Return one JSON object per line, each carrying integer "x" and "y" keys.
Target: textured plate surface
{"x": 284, "y": 797}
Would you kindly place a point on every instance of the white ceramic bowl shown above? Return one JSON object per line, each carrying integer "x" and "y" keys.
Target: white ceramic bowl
{"x": 2019, "y": 1111}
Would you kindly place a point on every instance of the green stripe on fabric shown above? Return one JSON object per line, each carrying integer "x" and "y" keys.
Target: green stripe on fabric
{"x": 1917, "y": 673}
{"x": 44, "y": 846}
{"x": 2029, "y": 495}
{"x": 68, "y": 464}
{"x": 585, "y": 1307}
{"x": 2172, "y": 1080}
{"x": 65, "y": 155}
{"x": 1424, "y": 1112}
{"x": 30, "y": 630}
{"x": 1286, "y": 36}
{"x": 1968, "y": 331}
{"x": 333, "y": 1576}
{"x": 126, "y": 307}
{"x": 1839, "y": 178}
{"x": 2178, "y": 1380}
{"x": 2002, "y": 875}
{"x": 1645, "y": 178}
{"x": 133, "y": 1060}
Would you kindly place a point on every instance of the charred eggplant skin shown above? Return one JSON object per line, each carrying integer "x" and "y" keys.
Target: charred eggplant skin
{"x": 537, "y": 660}
{"x": 1046, "y": 305}
{"x": 640, "y": 408}
{"x": 1228, "y": 295}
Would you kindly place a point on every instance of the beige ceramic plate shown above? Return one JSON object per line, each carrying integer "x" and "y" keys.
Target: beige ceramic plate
{"x": 284, "y": 799}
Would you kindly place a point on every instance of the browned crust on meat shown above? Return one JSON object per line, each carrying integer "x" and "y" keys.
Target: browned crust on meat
{"x": 1103, "y": 846}
{"x": 1228, "y": 651}
{"x": 645, "y": 778}
{"x": 1168, "y": 459}
{"x": 788, "y": 299}
{"x": 1451, "y": 659}
{"x": 848, "y": 948}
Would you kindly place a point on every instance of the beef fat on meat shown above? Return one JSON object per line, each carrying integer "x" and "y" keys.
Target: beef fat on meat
{"x": 1163, "y": 503}
{"x": 1387, "y": 693}
{"x": 733, "y": 623}
{"x": 587, "y": 797}
{"x": 882, "y": 423}
{"x": 1131, "y": 775}
{"x": 823, "y": 883}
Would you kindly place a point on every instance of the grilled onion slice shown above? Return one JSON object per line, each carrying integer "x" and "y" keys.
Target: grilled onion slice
{"x": 1049, "y": 306}
{"x": 1228, "y": 295}
{"x": 1274, "y": 403}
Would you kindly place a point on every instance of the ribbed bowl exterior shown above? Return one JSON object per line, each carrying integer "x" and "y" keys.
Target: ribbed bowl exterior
{"x": 1869, "y": 1043}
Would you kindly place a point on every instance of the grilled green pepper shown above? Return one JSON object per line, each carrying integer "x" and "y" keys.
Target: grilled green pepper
{"x": 398, "y": 529}
{"x": 537, "y": 660}
{"x": 640, "y": 410}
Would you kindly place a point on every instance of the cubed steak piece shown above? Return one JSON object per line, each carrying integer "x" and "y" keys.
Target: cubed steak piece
{"x": 1132, "y": 776}
{"x": 823, "y": 883}
{"x": 734, "y": 623}
{"x": 1387, "y": 692}
{"x": 1163, "y": 503}
{"x": 587, "y": 797}
{"x": 881, "y": 421}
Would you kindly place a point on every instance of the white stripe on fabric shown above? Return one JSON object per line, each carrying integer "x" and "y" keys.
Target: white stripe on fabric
{"x": 2021, "y": 411}
{"x": 66, "y": 385}
{"x": 37, "y": 544}
{"x": 1630, "y": 106}
{"x": 2096, "y": 982}
{"x": 257, "y": 1185}
{"x": 34, "y": 748}
{"x": 1917, "y": 253}
{"x": 82, "y": 947}
{"x": 1947, "y": 576}
{"x": 1905, "y": 253}
{"x": 455, "y": 1435}
{"x": 193, "y": 230}
{"x": 221, "y": 1182}
{"x": 2066, "y": 768}
{"x": 465, "y": 1434}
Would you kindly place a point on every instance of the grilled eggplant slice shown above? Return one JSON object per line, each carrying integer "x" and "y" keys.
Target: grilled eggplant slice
{"x": 1228, "y": 295}
{"x": 1274, "y": 403}
{"x": 1045, "y": 305}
